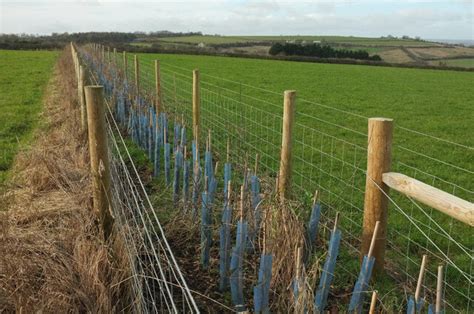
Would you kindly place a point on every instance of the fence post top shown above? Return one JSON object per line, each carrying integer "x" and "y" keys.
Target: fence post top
{"x": 290, "y": 91}
{"x": 380, "y": 119}
{"x": 94, "y": 87}
{"x": 196, "y": 70}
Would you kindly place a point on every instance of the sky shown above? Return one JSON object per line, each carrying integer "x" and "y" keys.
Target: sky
{"x": 452, "y": 19}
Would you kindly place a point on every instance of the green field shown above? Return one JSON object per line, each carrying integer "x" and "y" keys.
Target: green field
{"x": 410, "y": 96}
{"x": 465, "y": 63}
{"x": 350, "y": 40}
{"x": 23, "y": 77}
{"x": 243, "y": 98}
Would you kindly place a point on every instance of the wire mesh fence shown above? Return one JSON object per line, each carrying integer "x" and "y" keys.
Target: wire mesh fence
{"x": 157, "y": 283}
{"x": 330, "y": 155}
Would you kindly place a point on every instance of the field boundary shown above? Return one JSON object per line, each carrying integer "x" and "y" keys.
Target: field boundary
{"x": 186, "y": 96}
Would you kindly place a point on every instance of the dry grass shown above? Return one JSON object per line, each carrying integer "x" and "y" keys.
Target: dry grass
{"x": 52, "y": 254}
{"x": 442, "y": 52}
{"x": 396, "y": 55}
{"x": 283, "y": 233}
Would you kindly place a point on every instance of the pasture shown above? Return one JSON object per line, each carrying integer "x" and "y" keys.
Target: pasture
{"x": 349, "y": 40}
{"x": 430, "y": 101}
{"x": 432, "y": 112}
{"x": 23, "y": 77}
{"x": 466, "y": 63}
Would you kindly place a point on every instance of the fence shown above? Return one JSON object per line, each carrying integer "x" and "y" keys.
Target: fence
{"x": 157, "y": 283}
{"x": 330, "y": 155}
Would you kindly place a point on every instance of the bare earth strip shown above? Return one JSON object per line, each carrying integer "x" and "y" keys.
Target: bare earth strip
{"x": 52, "y": 255}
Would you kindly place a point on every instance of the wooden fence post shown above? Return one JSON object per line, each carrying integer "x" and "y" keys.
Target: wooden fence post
{"x": 284, "y": 178}
{"x": 82, "y": 97}
{"x": 98, "y": 151}
{"x": 158, "y": 87}
{"x": 379, "y": 157}
{"x": 196, "y": 105}
{"x": 137, "y": 74}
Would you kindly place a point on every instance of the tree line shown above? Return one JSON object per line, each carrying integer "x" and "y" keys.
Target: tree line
{"x": 320, "y": 51}
{"x": 58, "y": 40}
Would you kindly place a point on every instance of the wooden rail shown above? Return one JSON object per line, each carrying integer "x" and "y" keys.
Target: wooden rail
{"x": 449, "y": 204}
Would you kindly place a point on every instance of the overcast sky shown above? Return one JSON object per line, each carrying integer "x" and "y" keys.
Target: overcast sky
{"x": 451, "y": 19}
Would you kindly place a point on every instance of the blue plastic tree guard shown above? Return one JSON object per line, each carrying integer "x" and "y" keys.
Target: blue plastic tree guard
{"x": 208, "y": 169}
{"x": 261, "y": 292}
{"x": 178, "y": 162}
{"x": 313, "y": 225}
{"x": 411, "y": 308}
{"x": 196, "y": 186}
{"x": 255, "y": 199}
{"x": 183, "y": 141}
{"x": 327, "y": 275}
{"x": 227, "y": 178}
{"x": 206, "y": 236}
{"x": 177, "y": 135}
{"x": 360, "y": 288}
{"x": 158, "y": 144}
{"x": 224, "y": 248}
{"x": 236, "y": 271}
{"x": 151, "y": 133}
{"x": 195, "y": 154}
{"x": 167, "y": 163}
{"x": 186, "y": 175}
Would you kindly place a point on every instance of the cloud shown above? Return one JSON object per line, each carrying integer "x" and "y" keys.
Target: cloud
{"x": 237, "y": 17}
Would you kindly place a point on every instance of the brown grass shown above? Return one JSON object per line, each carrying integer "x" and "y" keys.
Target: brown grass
{"x": 396, "y": 55}
{"x": 443, "y": 52}
{"x": 52, "y": 254}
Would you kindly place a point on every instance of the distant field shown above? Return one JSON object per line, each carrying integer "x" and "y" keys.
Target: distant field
{"x": 466, "y": 63}
{"x": 23, "y": 77}
{"x": 404, "y": 94}
{"x": 443, "y": 52}
{"x": 207, "y": 39}
{"x": 363, "y": 41}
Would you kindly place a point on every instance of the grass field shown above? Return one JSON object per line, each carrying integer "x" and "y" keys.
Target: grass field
{"x": 361, "y": 41}
{"x": 23, "y": 77}
{"x": 438, "y": 103}
{"x": 465, "y": 63}
{"x": 402, "y": 94}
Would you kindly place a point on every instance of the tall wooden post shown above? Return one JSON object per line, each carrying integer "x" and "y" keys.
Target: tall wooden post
{"x": 284, "y": 178}
{"x": 137, "y": 74}
{"x": 82, "y": 97}
{"x": 379, "y": 157}
{"x": 158, "y": 87}
{"x": 196, "y": 104}
{"x": 125, "y": 65}
{"x": 100, "y": 168}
